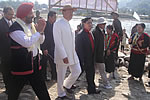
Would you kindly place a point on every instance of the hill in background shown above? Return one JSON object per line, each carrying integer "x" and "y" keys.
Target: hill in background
{"x": 140, "y": 6}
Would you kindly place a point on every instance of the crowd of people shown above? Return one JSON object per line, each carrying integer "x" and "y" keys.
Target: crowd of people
{"x": 27, "y": 47}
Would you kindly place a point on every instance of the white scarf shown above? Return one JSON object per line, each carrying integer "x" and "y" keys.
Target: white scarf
{"x": 29, "y": 33}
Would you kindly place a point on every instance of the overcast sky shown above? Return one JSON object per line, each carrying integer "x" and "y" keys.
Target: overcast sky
{"x": 40, "y": 1}
{"x": 46, "y": 1}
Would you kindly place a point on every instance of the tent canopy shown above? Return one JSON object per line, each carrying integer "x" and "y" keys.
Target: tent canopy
{"x": 97, "y": 5}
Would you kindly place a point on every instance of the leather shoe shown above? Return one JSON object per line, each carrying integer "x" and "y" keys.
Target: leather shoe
{"x": 96, "y": 92}
{"x": 74, "y": 87}
{"x": 63, "y": 98}
{"x": 68, "y": 90}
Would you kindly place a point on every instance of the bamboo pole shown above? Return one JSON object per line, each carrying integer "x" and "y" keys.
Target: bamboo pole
{"x": 106, "y": 7}
{"x": 95, "y": 4}
{"x": 101, "y": 4}
{"x": 79, "y": 3}
{"x": 109, "y": 5}
{"x": 71, "y": 2}
{"x": 49, "y": 3}
{"x": 54, "y": 4}
{"x": 86, "y": 3}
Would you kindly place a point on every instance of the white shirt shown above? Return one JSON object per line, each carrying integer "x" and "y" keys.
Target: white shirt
{"x": 21, "y": 38}
{"x": 102, "y": 30}
{"x": 64, "y": 40}
{"x": 8, "y": 21}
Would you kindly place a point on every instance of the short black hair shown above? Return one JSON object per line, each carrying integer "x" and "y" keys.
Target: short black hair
{"x": 143, "y": 25}
{"x": 85, "y": 19}
{"x": 37, "y": 11}
{"x": 6, "y": 9}
{"x": 51, "y": 14}
{"x": 110, "y": 27}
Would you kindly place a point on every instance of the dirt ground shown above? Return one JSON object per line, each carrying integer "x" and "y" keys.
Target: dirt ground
{"x": 123, "y": 89}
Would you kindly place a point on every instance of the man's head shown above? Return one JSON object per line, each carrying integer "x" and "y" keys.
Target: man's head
{"x": 78, "y": 27}
{"x": 25, "y": 12}
{"x": 101, "y": 23}
{"x": 8, "y": 13}
{"x": 51, "y": 17}
{"x": 37, "y": 13}
{"x": 87, "y": 23}
{"x": 67, "y": 12}
{"x": 114, "y": 15}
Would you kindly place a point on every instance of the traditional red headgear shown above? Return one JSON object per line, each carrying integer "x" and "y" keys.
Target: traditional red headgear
{"x": 24, "y": 9}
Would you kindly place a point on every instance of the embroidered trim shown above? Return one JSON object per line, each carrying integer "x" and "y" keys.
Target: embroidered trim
{"x": 22, "y": 73}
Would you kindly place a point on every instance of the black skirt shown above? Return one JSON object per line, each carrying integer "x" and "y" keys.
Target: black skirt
{"x": 110, "y": 63}
{"x": 136, "y": 65}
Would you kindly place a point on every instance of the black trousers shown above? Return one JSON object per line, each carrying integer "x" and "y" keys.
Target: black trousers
{"x": 5, "y": 70}
{"x": 6, "y": 76}
{"x": 122, "y": 47}
{"x": 149, "y": 74}
{"x": 36, "y": 81}
{"x": 90, "y": 75}
{"x": 44, "y": 67}
{"x": 117, "y": 49}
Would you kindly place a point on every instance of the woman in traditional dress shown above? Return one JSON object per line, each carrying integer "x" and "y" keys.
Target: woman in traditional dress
{"x": 139, "y": 48}
{"x": 111, "y": 42}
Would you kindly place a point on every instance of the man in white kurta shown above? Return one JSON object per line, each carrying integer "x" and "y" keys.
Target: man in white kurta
{"x": 65, "y": 54}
